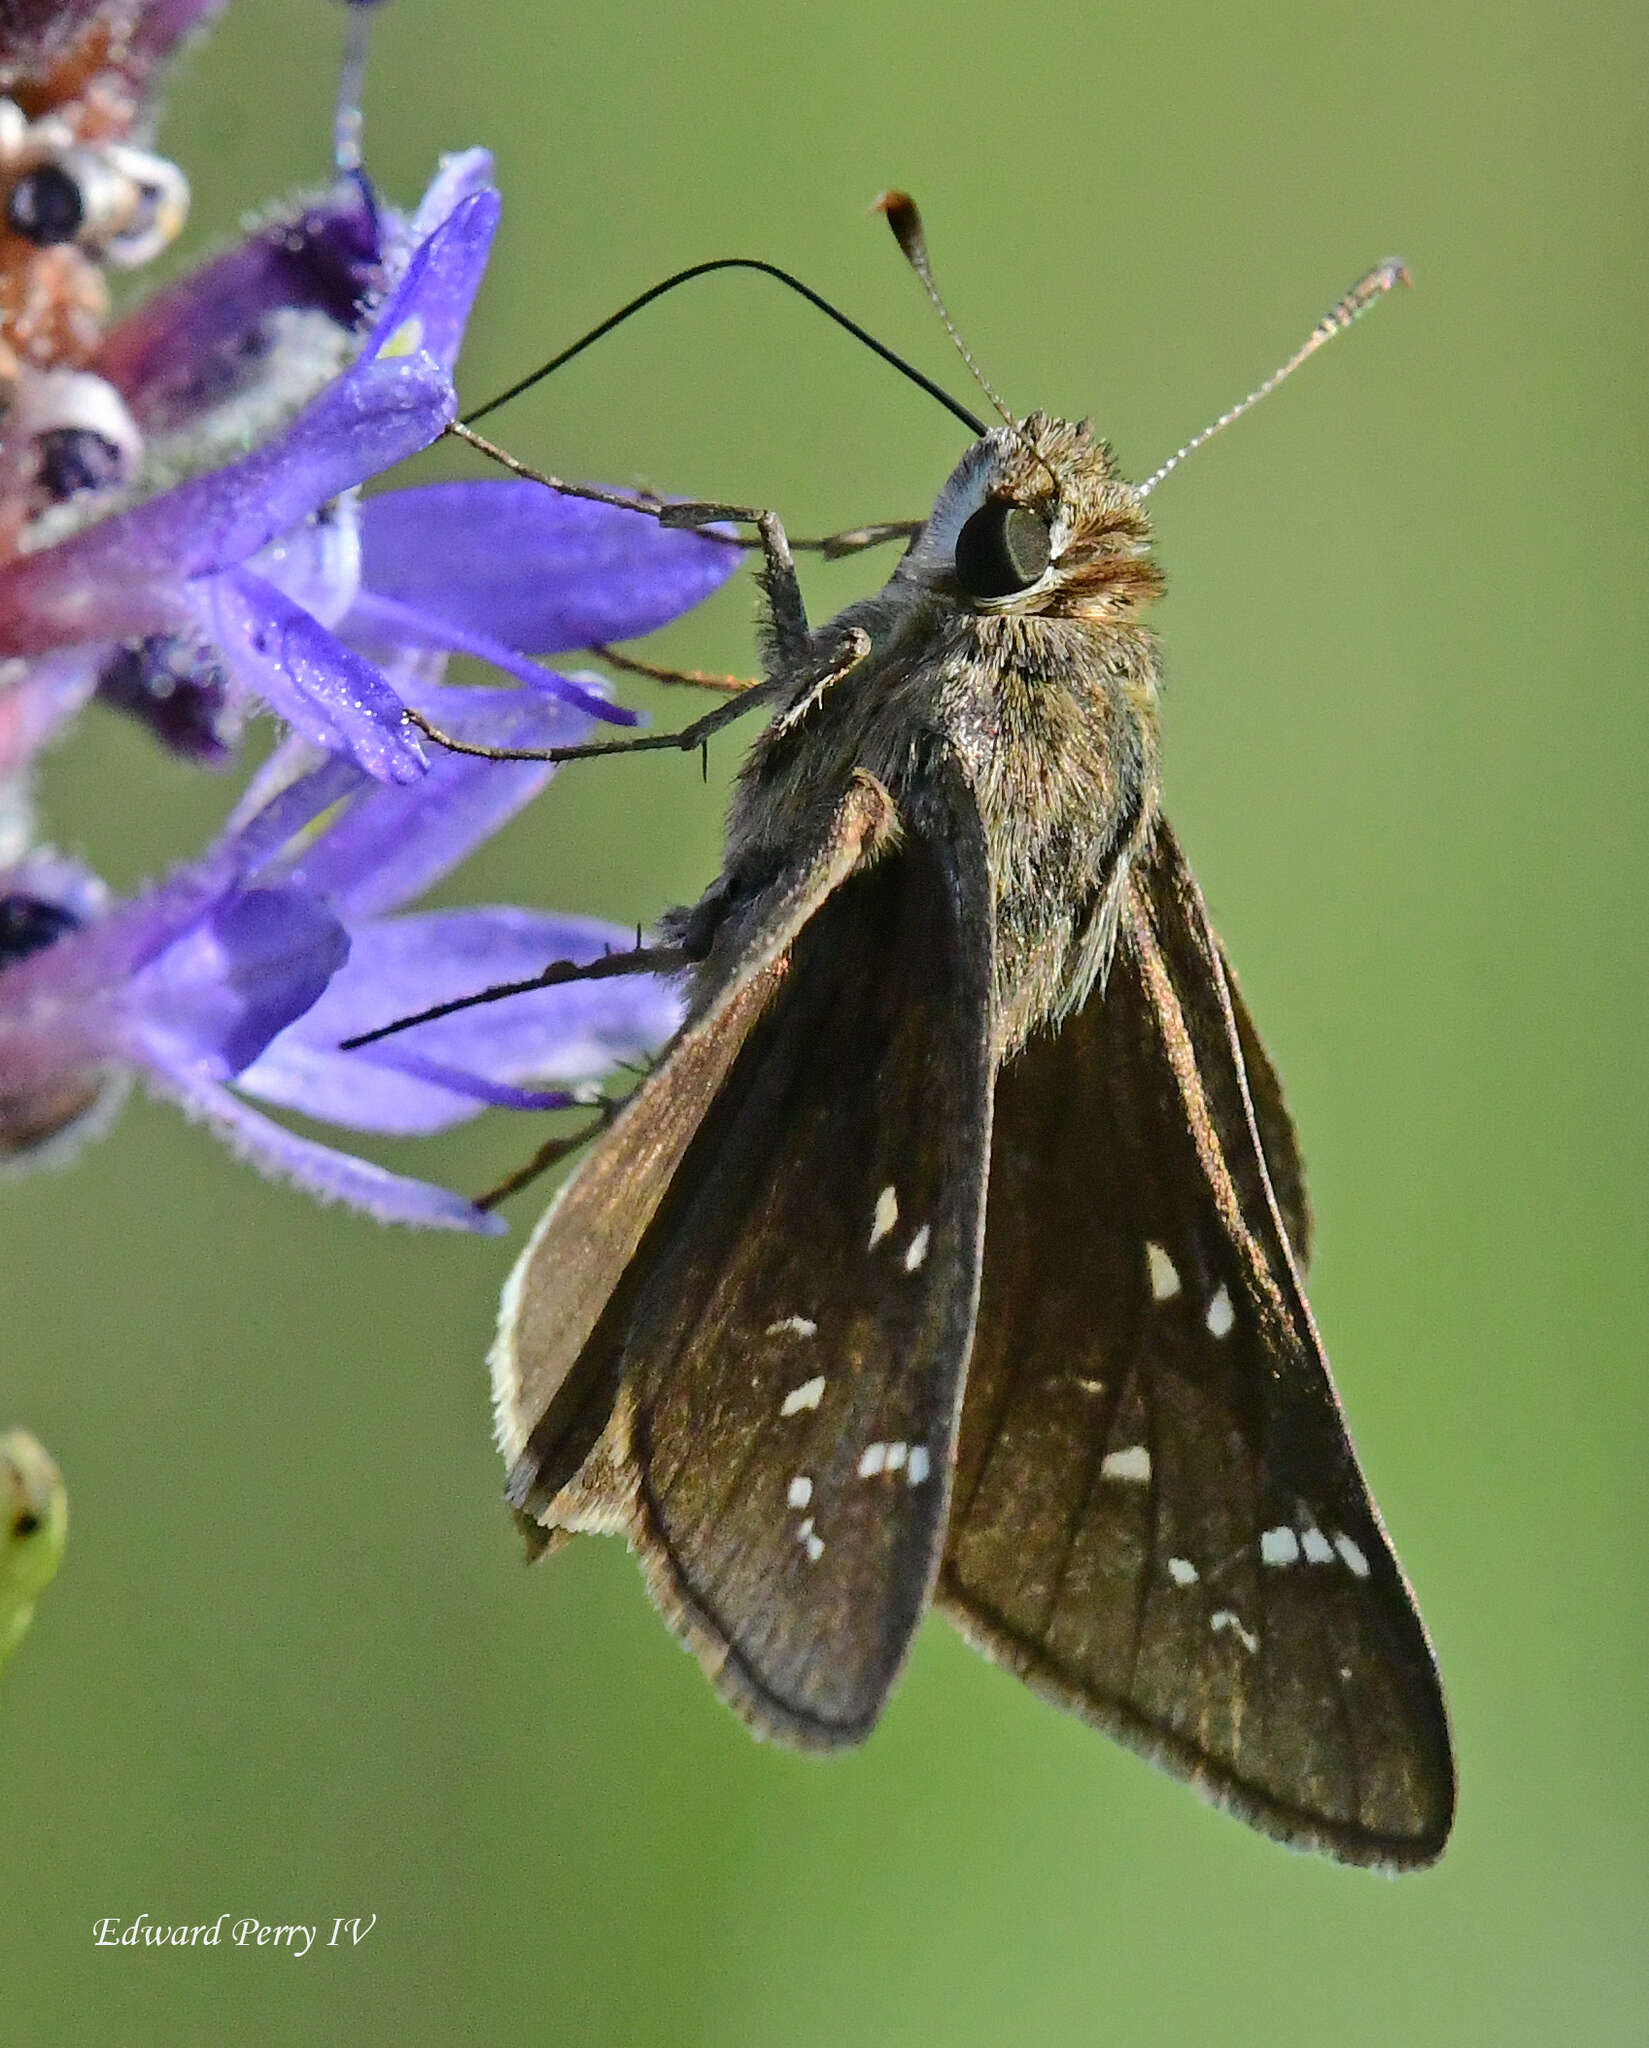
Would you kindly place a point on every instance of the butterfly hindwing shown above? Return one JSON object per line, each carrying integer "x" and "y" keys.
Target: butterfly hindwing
{"x": 1158, "y": 1517}
{"x": 789, "y": 1341}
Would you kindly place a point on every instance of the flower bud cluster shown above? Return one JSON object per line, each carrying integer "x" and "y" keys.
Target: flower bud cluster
{"x": 81, "y": 194}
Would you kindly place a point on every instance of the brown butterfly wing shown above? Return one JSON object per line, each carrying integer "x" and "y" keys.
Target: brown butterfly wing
{"x": 789, "y": 1338}
{"x": 1158, "y": 1518}
{"x": 1280, "y": 1146}
{"x": 552, "y": 1388}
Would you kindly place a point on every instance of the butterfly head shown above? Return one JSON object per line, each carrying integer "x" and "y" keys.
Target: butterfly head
{"x": 1035, "y": 521}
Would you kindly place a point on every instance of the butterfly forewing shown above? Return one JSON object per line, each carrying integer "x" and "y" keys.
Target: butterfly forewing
{"x": 1272, "y": 1123}
{"x": 554, "y": 1375}
{"x": 789, "y": 1341}
{"x": 1158, "y": 1517}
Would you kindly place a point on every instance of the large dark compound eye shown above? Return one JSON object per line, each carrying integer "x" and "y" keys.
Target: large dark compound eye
{"x": 1002, "y": 548}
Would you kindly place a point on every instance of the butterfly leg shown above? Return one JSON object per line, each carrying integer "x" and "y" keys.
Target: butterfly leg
{"x": 550, "y": 1153}
{"x": 639, "y": 960}
{"x": 691, "y": 678}
{"x": 854, "y": 540}
{"x": 784, "y": 595}
{"x": 790, "y": 642}
{"x": 687, "y": 741}
{"x": 787, "y": 615}
{"x": 852, "y": 650}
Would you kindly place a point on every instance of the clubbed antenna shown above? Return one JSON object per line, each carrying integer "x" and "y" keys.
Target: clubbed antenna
{"x": 906, "y": 222}
{"x": 1363, "y": 294}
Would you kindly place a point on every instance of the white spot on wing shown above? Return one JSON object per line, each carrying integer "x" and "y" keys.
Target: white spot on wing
{"x": 887, "y": 1214}
{"x": 801, "y": 1491}
{"x": 896, "y": 1457}
{"x": 807, "y": 1395}
{"x": 916, "y": 1466}
{"x": 1279, "y": 1546}
{"x": 918, "y": 1250}
{"x": 1182, "y": 1571}
{"x": 1226, "y": 1618}
{"x": 815, "y": 1547}
{"x": 1317, "y": 1548}
{"x": 793, "y": 1326}
{"x": 1132, "y": 1465}
{"x": 1164, "y": 1273}
{"x": 872, "y": 1460}
{"x": 1352, "y": 1554}
{"x": 1221, "y": 1315}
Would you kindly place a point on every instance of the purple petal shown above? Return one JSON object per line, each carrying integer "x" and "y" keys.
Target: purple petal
{"x": 370, "y": 418}
{"x": 216, "y": 997}
{"x": 194, "y": 344}
{"x": 387, "y": 622}
{"x": 397, "y": 1097}
{"x": 88, "y": 966}
{"x": 288, "y": 762}
{"x": 571, "y": 1033}
{"x": 175, "y": 957}
{"x": 329, "y": 1175}
{"x": 425, "y": 314}
{"x": 392, "y": 844}
{"x": 124, "y": 576}
{"x": 457, "y": 177}
{"x": 359, "y": 1093}
{"x": 400, "y": 965}
{"x": 485, "y": 1094}
{"x": 317, "y": 563}
{"x": 332, "y": 695}
{"x": 258, "y": 831}
{"x": 510, "y": 559}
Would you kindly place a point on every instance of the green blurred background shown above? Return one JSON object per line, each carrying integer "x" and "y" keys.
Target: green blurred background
{"x": 294, "y": 1668}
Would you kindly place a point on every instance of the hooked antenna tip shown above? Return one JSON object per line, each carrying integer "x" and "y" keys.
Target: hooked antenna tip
{"x": 905, "y": 219}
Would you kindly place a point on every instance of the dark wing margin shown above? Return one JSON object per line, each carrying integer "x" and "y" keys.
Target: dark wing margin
{"x": 766, "y": 1400}
{"x": 1158, "y": 1520}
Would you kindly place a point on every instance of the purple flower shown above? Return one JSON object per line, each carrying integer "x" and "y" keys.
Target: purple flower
{"x": 248, "y": 317}
{"x": 249, "y": 966}
{"x": 190, "y": 561}
{"x": 264, "y": 578}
